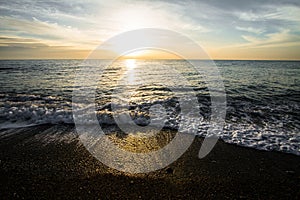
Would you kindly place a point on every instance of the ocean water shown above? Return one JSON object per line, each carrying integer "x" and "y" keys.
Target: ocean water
{"x": 263, "y": 97}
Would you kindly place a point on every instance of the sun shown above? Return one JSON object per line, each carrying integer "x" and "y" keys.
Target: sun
{"x": 139, "y": 44}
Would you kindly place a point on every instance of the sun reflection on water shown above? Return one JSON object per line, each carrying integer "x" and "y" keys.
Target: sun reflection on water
{"x": 130, "y": 63}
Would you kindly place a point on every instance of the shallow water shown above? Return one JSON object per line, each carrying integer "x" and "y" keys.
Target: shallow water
{"x": 262, "y": 96}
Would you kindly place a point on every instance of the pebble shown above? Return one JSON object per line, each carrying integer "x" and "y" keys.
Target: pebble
{"x": 169, "y": 170}
{"x": 290, "y": 172}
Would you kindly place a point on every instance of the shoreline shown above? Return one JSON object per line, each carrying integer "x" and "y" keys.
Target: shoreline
{"x": 48, "y": 161}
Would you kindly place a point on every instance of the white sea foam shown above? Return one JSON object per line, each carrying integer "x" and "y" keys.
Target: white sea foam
{"x": 267, "y": 138}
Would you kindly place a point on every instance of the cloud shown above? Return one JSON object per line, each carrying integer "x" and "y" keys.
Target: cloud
{"x": 51, "y": 33}
{"x": 281, "y": 39}
{"x": 7, "y": 41}
{"x": 270, "y": 13}
{"x": 24, "y": 48}
{"x": 251, "y": 29}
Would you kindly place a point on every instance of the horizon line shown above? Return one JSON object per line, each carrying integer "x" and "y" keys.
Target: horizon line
{"x": 231, "y": 59}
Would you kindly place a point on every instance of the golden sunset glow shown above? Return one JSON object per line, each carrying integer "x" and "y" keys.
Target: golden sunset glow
{"x": 150, "y": 54}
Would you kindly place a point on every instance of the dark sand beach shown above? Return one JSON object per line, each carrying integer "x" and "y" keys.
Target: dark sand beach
{"x": 49, "y": 162}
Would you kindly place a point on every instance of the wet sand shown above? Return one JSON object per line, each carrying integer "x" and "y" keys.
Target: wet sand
{"x": 49, "y": 162}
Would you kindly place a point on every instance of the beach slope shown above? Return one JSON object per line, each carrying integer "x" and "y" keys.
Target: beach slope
{"x": 49, "y": 162}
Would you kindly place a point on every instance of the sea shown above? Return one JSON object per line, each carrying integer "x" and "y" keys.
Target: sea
{"x": 262, "y": 97}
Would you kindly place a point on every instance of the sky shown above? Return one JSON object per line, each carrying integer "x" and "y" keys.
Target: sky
{"x": 229, "y": 29}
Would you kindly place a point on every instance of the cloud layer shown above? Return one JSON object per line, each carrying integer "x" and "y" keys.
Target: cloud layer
{"x": 29, "y": 28}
